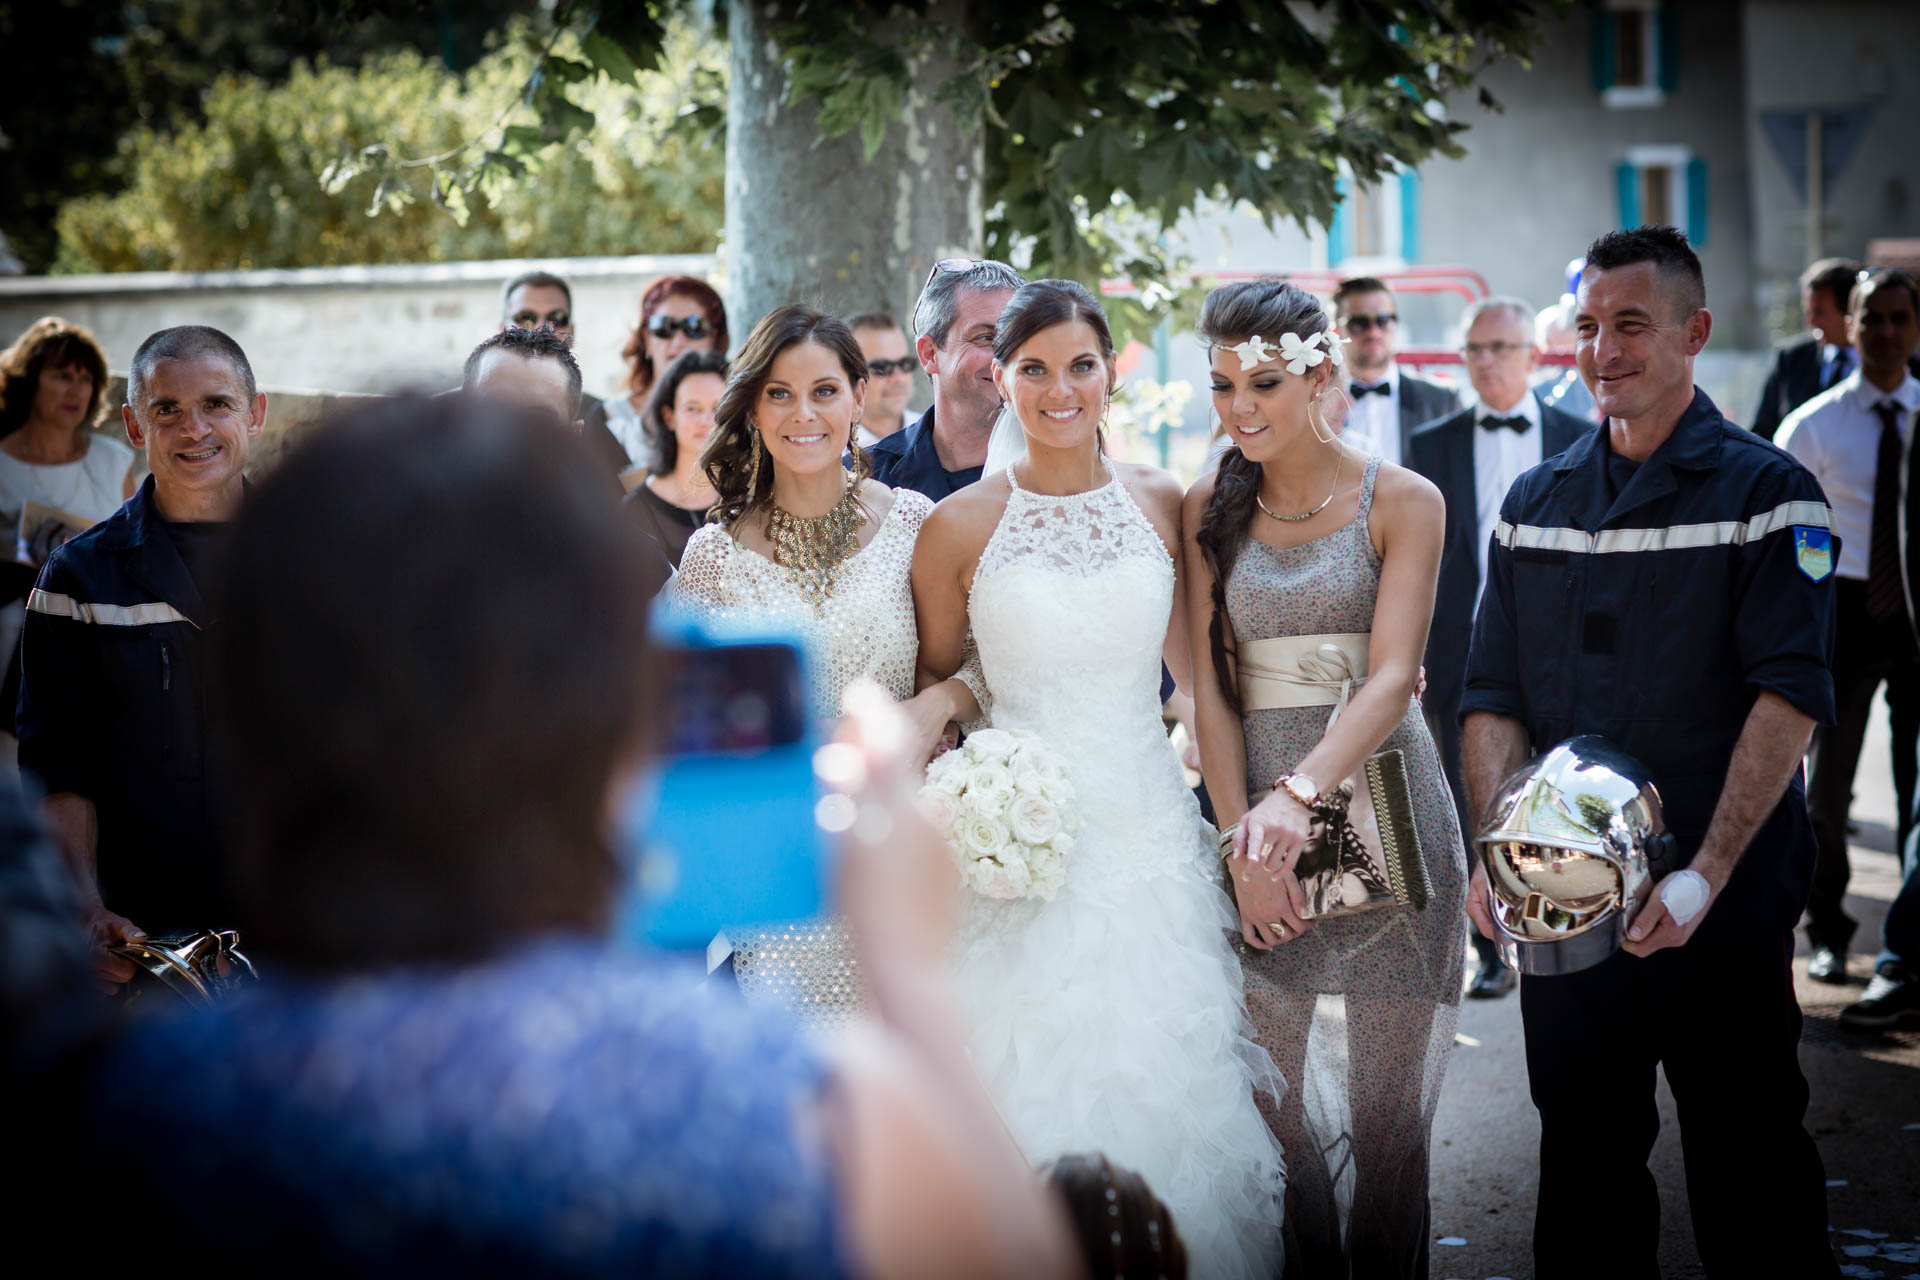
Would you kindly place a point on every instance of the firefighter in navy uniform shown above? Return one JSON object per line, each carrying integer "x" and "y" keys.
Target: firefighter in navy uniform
{"x": 113, "y": 720}
{"x": 1667, "y": 583}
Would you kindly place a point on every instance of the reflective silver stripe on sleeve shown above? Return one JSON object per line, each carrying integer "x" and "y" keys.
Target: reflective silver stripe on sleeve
{"x": 55, "y": 605}
{"x": 1679, "y": 537}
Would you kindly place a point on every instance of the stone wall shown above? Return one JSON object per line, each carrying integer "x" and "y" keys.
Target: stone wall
{"x": 355, "y": 329}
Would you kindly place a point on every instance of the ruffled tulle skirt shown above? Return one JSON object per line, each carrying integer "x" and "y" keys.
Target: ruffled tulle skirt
{"x": 1112, "y": 1020}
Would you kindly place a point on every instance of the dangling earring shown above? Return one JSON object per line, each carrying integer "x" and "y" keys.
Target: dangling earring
{"x": 1321, "y": 432}
{"x": 753, "y": 468}
{"x": 862, "y": 465}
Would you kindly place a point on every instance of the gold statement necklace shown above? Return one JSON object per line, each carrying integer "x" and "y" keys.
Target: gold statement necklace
{"x": 812, "y": 548}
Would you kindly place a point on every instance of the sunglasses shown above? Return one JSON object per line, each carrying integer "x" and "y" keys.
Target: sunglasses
{"x": 950, "y": 264}
{"x": 887, "y": 368}
{"x": 1363, "y": 324}
{"x": 665, "y": 326}
{"x": 533, "y": 319}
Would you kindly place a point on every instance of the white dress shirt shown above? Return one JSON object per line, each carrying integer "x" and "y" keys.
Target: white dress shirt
{"x": 1500, "y": 455}
{"x": 1836, "y": 435}
{"x": 1374, "y": 424}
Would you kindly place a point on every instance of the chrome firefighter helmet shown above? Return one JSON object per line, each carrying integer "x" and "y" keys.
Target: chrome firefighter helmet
{"x": 1573, "y": 844}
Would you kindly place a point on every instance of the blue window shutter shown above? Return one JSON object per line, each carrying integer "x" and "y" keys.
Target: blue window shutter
{"x": 1697, "y": 203}
{"x": 1601, "y": 28}
{"x": 1340, "y": 230}
{"x": 1409, "y": 215}
{"x": 1626, "y": 182}
{"x": 1666, "y": 46}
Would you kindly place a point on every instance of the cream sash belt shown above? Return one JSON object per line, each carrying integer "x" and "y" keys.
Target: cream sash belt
{"x": 1303, "y": 671}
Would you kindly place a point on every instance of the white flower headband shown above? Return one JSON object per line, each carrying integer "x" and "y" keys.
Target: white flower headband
{"x": 1300, "y": 353}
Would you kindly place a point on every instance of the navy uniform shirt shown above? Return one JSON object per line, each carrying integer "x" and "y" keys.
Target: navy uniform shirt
{"x": 907, "y": 460}
{"x": 1654, "y": 613}
{"x": 113, "y": 707}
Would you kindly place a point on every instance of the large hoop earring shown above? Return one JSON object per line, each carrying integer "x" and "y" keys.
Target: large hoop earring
{"x": 1321, "y": 431}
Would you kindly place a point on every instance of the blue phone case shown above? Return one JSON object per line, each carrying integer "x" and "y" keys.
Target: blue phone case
{"x": 726, "y": 839}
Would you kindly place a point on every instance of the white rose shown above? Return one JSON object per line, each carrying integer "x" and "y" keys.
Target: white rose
{"x": 1061, "y": 844}
{"x": 1048, "y": 875}
{"x": 982, "y": 836}
{"x": 990, "y": 775}
{"x": 947, "y": 774}
{"x": 990, "y": 880}
{"x": 1033, "y": 820}
{"x": 941, "y": 808}
{"x": 1048, "y": 766}
{"x": 994, "y": 744}
{"x": 1019, "y": 875}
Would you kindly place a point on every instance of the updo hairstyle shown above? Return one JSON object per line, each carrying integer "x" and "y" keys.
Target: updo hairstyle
{"x": 1232, "y": 314}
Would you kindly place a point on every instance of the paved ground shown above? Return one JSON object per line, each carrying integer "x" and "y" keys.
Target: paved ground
{"x": 1865, "y": 1112}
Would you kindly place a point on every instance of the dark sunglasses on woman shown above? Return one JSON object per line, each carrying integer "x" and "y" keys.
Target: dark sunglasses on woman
{"x": 665, "y": 326}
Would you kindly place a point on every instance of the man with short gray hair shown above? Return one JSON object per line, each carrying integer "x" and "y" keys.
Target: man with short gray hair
{"x": 953, "y": 326}
{"x": 1474, "y": 456}
{"x": 115, "y": 651}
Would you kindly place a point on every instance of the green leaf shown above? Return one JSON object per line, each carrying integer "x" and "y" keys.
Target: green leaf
{"x": 609, "y": 56}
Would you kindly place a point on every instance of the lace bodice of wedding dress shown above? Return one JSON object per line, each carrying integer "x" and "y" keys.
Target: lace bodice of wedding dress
{"x": 1069, "y": 612}
{"x": 1111, "y": 1019}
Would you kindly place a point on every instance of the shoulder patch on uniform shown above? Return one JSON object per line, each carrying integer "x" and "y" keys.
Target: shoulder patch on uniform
{"x": 1813, "y": 552}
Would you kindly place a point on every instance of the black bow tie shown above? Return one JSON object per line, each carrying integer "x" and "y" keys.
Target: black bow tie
{"x": 1515, "y": 423}
{"x": 1377, "y": 389}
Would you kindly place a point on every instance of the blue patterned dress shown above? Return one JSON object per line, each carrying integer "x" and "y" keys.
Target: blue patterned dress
{"x": 561, "y": 1110}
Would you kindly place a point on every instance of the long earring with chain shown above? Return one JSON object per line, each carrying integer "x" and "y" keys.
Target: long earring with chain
{"x": 753, "y": 467}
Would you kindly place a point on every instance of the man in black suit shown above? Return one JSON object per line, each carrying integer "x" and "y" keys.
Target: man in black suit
{"x": 1805, "y": 366}
{"x": 1387, "y": 404}
{"x": 1474, "y": 456}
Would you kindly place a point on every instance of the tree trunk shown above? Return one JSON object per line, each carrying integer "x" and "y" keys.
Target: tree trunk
{"x": 812, "y": 220}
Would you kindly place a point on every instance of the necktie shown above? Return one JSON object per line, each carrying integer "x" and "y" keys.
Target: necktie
{"x": 1885, "y": 595}
{"x": 1841, "y": 366}
{"x": 1516, "y": 423}
{"x": 1377, "y": 389}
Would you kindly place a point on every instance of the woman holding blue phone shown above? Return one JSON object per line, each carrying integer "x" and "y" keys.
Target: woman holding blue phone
{"x": 800, "y": 541}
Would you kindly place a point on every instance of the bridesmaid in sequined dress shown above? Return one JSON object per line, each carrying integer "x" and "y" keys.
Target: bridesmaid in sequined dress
{"x": 1297, "y": 534}
{"x": 801, "y": 543}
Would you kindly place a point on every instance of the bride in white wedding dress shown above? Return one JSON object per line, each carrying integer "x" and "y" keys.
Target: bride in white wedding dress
{"x": 1111, "y": 1018}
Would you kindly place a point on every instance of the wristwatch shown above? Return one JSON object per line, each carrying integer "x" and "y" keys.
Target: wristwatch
{"x": 1301, "y": 788}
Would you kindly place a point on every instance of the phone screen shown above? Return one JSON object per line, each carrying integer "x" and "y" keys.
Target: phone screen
{"x": 730, "y": 837}
{"x": 735, "y": 699}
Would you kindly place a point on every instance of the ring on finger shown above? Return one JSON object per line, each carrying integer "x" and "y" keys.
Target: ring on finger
{"x": 1265, "y": 849}
{"x": 1278, "y": 928}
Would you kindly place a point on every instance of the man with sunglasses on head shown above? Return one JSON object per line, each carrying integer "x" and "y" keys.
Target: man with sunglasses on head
{"x": 1387, "y": 404}
{"x": 953, "y": 325}
{"x": 889, "y": 375}
{"x": 542, "y": 300}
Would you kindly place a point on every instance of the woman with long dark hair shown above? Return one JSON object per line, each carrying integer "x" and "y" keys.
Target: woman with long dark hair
{"x": 1108, "y": 1018}
{"x": 802, "y": 541}
{"x": 673, "y": 495}
{"x": 1310, "y": 573}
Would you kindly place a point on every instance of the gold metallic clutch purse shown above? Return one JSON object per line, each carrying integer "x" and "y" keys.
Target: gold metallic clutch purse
{"x": 189, "y": 964}
{"x": 1367, "y": 855}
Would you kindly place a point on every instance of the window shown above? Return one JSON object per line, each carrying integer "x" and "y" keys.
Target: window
{"x": 1634, "y": 50}
{"x": 1663, "y": 186}
{"x": 1378, "y": 225}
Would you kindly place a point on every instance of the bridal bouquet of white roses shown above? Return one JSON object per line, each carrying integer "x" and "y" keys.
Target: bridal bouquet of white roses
{"x": 1005, "y": 804}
